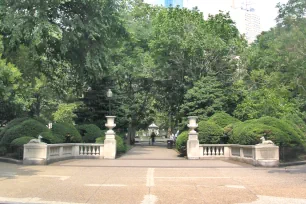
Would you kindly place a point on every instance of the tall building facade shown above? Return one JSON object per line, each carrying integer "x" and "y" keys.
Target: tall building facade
{"x": 173, "y": 3}
{"x": 246, "y": 18}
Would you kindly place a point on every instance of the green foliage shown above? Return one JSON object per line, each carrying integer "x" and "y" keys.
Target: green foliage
{"x": 21, "y": 141}
{"x": 89, "y": 132}
{"x": 66, "y": 132}
{"x": 222, "y": 119}
{"x": 3, "y": 150}
{"x": 204, "y": 99}
{"x": 50, "y": 138}
{"x": 121, "y": 148}
{"x": 181, "y": 141}
{"x": 65, "y": 113}
{"x": 296, "y": 120}
{"x": 209, "y": 133}
{"x": 10, "y": 124}
{"x": 9, "y": 78}
{"x": 29, "y": 127}
{"x": 281, "y": 132}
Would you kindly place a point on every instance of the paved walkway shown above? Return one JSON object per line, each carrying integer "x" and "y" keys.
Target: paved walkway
{"x": 158, "y": 151}
{"x": 137, "y": 179}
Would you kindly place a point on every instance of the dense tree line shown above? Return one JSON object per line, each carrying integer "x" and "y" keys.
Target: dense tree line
{"x": 59, "y": 58}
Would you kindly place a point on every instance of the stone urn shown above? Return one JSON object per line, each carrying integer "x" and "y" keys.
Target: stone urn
{"x": 192, "y": 124}
{"x": 110, "y": 124}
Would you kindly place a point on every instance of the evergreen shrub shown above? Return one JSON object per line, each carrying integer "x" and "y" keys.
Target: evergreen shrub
{"x": 89, "y": 132}
{"x": 121, "y": 148}
{"x": 21, "y": 141}
{"x": 29, "y": 127}
{"x": 209, "y": 133}
{"x": 222, "y": 119}
{"x": 67, "y": 132}
{"x": 181, "y": 142}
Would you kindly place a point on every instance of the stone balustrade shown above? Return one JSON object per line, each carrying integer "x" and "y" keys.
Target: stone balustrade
{"x": 47, "y": 153}
{"x": 257, "y": 155}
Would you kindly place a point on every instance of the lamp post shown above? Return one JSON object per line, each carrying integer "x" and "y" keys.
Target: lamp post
{"x": 109, "y": 95}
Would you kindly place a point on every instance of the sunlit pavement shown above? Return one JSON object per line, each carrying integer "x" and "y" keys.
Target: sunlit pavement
{"x": 143, "y": 179}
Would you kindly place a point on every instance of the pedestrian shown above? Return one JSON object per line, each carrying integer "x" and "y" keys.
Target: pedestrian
{"x": 153, "y": 135}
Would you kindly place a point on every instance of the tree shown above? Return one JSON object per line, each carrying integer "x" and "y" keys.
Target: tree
{"x": 204, "y": 99}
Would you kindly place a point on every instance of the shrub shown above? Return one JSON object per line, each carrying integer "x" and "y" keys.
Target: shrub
{"x": 67, "y": 132}
{"x": 3, "y": 150}
{"x": 30, "y": 127}
{"x": 279, "y": 131}
{"x": 222, "y": 119}
{"x": 181, "y": 142}
{"x": 297, "y": 121}
{"x": 21, "y": 141}
{"x": 119, "y": 143}
{"x": 209, "y": 133}
{"x": 89, "y": 132}
{"x": 12, "y": 123}
{"x": 50, "y": 138}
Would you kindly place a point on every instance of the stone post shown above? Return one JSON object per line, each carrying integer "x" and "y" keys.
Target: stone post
{"x": 35, "y": 154}
{"x": 110, "y": 142}
{"x": 193, "y": 149}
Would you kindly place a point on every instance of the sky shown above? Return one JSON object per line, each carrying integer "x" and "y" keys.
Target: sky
{"x": 264, "y": 8}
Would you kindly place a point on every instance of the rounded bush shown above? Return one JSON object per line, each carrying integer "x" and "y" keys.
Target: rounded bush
{"x": 30, "y": 127}
{"x": 222, "y": 119}
{"x": 67, "y": 132}
{"x": 89, "y": 132}
{"x": 21, "y": 141}
{"x": 12, "y": 123}
{"x": 119, "y": 143}
{"x": 209, "y": 133}
{"x": 181, "y": 142}
{"x": 50, "y": 138}
{"x": 281, "y": 132}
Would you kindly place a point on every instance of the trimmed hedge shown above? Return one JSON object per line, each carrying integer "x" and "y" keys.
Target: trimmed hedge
{"x": 121, "y": 148}
{"x": 12, "y": 123}
{"x": 281, "y": 132}
{"x": 50, "y": 138}
{"x": 89, "y": 132}
{"x": 21, "y": 141}
{"x": 29, "y": 127}
{"x": 181, "y": 141}
{"x": 209, "y": 133}
{"x": 67, "y": 132}
{"x": 222, "y": 119}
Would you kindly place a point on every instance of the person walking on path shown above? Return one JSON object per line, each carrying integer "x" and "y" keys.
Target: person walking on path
{"x": 153, "y": 137}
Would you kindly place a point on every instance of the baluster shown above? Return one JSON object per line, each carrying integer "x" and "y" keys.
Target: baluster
{"x": 91, "y": 150}
{"x": 221, "y": 151}
{"x": 80, "y": 150}
{"x": 209, "y": 150}
{"x": 87, "y": 150}
{"x": 98, "y": 150}
{"x": 218, "y": 151}
{"x": 213, "y": 151}
{"x": 204, "y": 151}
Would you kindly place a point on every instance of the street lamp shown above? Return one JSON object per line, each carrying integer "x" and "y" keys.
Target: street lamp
{"x": 109, "y": 95}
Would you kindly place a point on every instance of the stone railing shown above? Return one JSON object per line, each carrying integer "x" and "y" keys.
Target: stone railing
{"x": 257, "y": 155}
{"x": 47, "y": 153}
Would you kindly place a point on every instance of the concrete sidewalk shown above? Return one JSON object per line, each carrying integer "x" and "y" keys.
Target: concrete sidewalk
{"x": 79, "y": 184}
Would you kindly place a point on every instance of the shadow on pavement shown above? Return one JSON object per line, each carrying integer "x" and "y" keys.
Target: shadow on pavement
{"x": 10, "y": 171}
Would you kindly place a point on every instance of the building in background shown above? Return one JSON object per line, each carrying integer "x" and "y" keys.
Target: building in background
{"x": 173, "y": 3}
{"x": 243, "y": 12}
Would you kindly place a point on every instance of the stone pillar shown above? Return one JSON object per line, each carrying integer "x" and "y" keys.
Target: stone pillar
{"x": 266, "y": 155}
{"x": 110, "y": 142}
{"x": 35, "y": 154}
{"x": 193, "y": 149}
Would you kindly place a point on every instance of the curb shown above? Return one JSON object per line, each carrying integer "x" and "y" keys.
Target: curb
{"x": 10, "y": 160}
{"x": 292, "y": 163}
